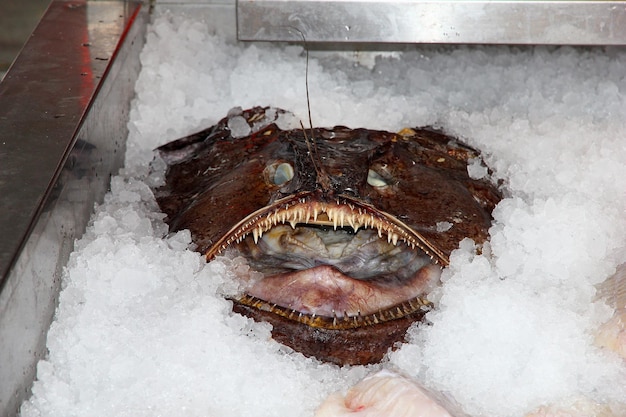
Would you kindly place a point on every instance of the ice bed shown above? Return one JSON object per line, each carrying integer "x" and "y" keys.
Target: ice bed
{"x": 101, "y": 83}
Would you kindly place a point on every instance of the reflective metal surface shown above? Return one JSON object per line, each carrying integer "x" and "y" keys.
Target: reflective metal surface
{"x": 63, "y": 111}
{"x": 444, "y": 21}
{"x": 64, "y": 107}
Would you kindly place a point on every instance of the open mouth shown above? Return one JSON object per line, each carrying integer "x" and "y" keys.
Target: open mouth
{"x": 333, "y": 265}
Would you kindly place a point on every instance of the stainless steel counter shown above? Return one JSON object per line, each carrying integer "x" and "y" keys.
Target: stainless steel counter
{"x": 445, "y": 21}
{"x": 63, "y": 111}
{"x": 64, "y": 106}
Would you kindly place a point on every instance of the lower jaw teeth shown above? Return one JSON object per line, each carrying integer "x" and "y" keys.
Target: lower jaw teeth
{"x": 415, "y": 307}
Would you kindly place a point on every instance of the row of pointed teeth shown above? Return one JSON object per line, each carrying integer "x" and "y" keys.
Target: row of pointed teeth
{"x": 412, "y": 306}
{"x": 338, "y": 216}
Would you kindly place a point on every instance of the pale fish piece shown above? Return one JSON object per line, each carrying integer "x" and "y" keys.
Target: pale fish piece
{"x": 387, "y": 394}
{"x": 612, "y": 334}
{"x": 581, "y": 408}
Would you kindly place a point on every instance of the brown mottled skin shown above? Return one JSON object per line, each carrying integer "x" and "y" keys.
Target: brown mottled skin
{"x": 214, "y": 180}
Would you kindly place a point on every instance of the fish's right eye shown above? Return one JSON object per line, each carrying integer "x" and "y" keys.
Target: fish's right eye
{"x": 284, "y": 173}
{"x": 279, "y": 173}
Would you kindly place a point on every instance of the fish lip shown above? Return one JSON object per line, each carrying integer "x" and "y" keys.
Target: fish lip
{"x": 302, "y": 206}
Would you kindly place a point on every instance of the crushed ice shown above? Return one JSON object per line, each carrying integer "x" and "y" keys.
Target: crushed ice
{"x": 143, "y": 328}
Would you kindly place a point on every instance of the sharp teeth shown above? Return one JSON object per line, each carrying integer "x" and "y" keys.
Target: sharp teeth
{"x": 293, "y": 219}
{"x": 338, "y": 216}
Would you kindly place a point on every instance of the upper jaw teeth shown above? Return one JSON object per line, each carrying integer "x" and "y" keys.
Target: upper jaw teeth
{"x": 336, "y": 215}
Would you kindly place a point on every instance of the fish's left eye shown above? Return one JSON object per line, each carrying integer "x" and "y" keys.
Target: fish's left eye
{"x": 375, "y": 180}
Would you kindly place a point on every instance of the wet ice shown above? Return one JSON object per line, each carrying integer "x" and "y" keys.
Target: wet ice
{"x": 143, "y": 327}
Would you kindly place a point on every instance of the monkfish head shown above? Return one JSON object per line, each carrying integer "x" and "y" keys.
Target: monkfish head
{"x": 347, "y": 230}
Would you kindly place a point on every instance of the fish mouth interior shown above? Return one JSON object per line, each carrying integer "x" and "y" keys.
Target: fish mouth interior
{"x": 332, "y": 265}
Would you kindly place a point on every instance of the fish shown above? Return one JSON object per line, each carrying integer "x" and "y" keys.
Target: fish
{"x": 612, "y": 334}
{"x": 388, "y": 393}
{"x": 581, "y": 407}
{"x": 346, "y": 230}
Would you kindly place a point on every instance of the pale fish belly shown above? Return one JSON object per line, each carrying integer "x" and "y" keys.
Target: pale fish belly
{"x": 612, "y": 334}
{"x": 386, "y": 393}
{"x": 580, "y": 408}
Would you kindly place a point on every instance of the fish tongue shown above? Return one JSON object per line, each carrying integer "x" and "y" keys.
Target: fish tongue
{"x": 321, "y": 290}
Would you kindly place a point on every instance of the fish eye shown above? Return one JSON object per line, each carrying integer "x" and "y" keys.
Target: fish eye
{"x": 283, "y": 173}
{"x": 375, "y": 180}
{"x": 280, "y": 173}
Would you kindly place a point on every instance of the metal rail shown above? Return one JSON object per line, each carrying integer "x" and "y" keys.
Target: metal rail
{"x": 63, "y": 110}
{"x": 445, "y": 21}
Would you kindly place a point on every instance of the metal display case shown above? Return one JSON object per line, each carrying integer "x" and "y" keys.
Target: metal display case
{"x": 64, "y": 107}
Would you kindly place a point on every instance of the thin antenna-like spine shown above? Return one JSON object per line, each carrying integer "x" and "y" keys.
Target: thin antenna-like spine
{"x": 306, "y": 85}
{"x": 323, "y": 178}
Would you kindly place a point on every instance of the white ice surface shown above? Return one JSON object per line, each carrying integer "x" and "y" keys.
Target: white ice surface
{"x": 142, "y": 327}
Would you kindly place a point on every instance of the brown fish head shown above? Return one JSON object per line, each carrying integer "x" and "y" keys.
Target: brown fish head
{"x": 348, "y": 228}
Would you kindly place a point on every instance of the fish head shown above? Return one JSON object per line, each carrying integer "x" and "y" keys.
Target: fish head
{"x": 348, "y": 229}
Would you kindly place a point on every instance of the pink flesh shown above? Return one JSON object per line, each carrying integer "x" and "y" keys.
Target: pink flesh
{"x": 389, "y": 395}
{"x": 325, "y": 291}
